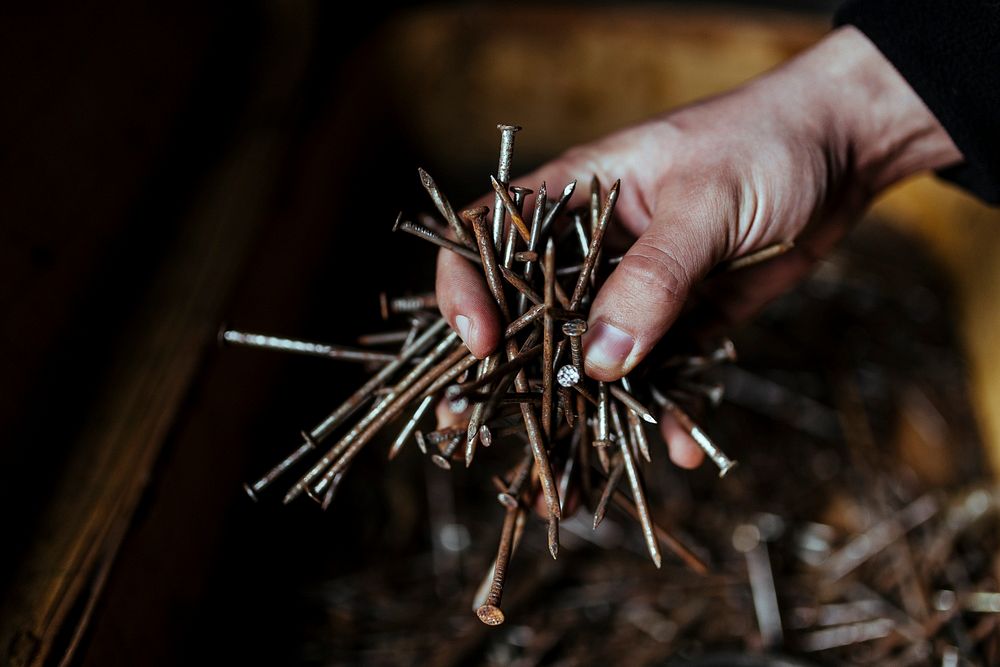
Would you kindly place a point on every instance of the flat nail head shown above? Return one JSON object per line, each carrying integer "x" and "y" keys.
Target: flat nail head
{"x": 477, "y": 213}
{"x": 526, "y": 256}
{"x": 490, "y": 615}
{"x": 568, "y": 375}
{"x": 574, "y": 327}
{"x": 457, "y": 403}
{"x": 507, "y": 501}
{"x": 253, "y": 496}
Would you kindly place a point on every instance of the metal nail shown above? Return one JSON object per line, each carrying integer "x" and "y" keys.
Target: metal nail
{"x": 632, "y": 403}
{"x": 756, "y": 257}
{"x": 296, "y": 346}
{"x": 637, "y": 426}
{"x": 717, "y": 456}
{"x": 548, "y": 339}
{"x": 489, "y": 612}
{"x": 507, "y": 201}
{"x": 409, "y": 426}
{"x": 507, "y": 133}
{"x": 444, "y": 207}
{"x": 406, "y": 304}
{"x": 386, "y": 338}
{"x": 534, "y": 238}
{"x": 597, "y": 237}
{"x": 272, "y": 474}
{"x": 422, "y": 232}
{"x": 443, "y": 460}
{"x": 614, "y": 477}
{"x": 747, "y": 540}
{"x": 603, "y": 438}
{"x": 568, "y": 375}
{"x": 638, "y": 493}
{"x": 574, "y": 330}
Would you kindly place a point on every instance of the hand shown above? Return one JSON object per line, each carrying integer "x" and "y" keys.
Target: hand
{"x": 796, "y": 154}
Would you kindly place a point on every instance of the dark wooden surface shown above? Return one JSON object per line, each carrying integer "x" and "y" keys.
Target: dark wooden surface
{"x": 164, "y": 169}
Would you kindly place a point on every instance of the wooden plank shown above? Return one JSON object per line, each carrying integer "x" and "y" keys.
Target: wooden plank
{"x": 109, "y": 466}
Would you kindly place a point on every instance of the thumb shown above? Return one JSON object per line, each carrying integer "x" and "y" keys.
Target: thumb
{"x": 646, "y": 292}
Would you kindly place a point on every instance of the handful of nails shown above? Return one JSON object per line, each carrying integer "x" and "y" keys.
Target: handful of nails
{"x": 578, "y": 436}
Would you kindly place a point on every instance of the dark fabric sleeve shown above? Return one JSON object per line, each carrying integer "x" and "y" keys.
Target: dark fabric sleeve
{"x": 949, "y": 52}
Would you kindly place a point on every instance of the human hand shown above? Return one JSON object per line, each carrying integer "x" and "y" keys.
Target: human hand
{"x": 797, "y": 153}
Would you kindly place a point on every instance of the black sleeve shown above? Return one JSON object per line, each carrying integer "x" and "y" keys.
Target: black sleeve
{"x": 949, "y": 52}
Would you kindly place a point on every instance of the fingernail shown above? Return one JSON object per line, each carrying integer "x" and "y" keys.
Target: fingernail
{"x": 608, "y": 347}
{"x": 464, "y": 324}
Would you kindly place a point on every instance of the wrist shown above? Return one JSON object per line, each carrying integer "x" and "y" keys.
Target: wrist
{"x": 876, "y": 125}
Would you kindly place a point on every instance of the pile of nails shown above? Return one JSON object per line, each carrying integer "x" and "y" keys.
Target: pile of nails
{"x": 542, "y": 270}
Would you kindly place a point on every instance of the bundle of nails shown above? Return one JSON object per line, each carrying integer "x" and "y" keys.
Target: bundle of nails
{"x": 542, "y": 270}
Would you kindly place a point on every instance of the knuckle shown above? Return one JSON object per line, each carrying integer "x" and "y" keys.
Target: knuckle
{"x": 656, "y": 269}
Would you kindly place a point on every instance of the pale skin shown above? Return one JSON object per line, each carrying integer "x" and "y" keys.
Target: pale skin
{"x": 795, "y": 154}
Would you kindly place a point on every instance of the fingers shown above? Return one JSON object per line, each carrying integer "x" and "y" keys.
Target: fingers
{"x": 645, "y": 293}
{"x": 683, "y": 450}
{"x": 466, "y": 303}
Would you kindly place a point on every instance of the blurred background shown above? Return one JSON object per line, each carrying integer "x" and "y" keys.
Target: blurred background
{"x": 168, "y": 168}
